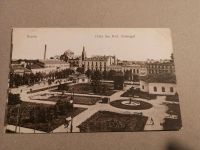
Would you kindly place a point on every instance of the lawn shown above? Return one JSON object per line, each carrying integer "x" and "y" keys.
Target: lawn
{"x": 86, "y": 88}
{"x": 27, "y": 122}
{"x": 170, "y": 123}
{"x": 83, "y": 100}
{"x": 173, "y": 98}
{"x": 105, "y": 121}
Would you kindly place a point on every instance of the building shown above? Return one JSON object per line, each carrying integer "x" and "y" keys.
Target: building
{"x": 100, "y": 63}
{"x": 160, "y": 67}
{"x": 135, "y": 69}
{"x": 19, "y": 69}
{"x": 159, "y": 84}
{"x": 49, "y": 65}
{"x": 74, "y": 61}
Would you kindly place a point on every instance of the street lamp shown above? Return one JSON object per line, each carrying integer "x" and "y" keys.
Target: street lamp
{"x": 72, "y": 103}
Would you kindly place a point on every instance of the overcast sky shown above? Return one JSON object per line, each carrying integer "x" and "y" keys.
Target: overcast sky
{"x": 125, "y": 43}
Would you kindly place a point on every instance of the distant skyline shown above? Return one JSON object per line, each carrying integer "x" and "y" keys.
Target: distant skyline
{"x": 137, "y": 44}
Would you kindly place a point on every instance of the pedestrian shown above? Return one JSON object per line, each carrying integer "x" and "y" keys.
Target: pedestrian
{"x": 152, "y": 122}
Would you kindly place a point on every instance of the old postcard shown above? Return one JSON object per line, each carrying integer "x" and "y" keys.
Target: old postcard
{"x": 66, "y": 80}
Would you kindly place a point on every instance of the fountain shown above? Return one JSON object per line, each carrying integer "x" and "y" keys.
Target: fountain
{"x": 131, "y": 102}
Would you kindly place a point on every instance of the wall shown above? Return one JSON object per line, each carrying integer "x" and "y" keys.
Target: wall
{"x": 144, "y": 87}
{"x": 159, "y": 88}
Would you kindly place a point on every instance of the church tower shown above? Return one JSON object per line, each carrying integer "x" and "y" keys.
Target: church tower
{"x": 83, "y": 54}
{"x": 45, "y": 51}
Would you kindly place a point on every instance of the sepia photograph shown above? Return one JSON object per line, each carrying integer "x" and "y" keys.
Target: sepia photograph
{"x": 85, "y": 80}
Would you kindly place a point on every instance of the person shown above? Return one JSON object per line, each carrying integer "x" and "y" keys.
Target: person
{"x": 152, "y": 122}
{"x": 67, "y": 123}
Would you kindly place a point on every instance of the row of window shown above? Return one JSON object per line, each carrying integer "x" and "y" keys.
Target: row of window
{"x": 171, "y": 89}
{"x": 160, "y": 66}
{"x": 92, "y": 68}
{"x": 101, "y": 63}
{"x": 162, "y": 88}
{"x": 160, "y": 71}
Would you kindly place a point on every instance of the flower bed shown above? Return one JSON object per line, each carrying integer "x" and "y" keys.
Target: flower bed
{"x": 105, "y": 121}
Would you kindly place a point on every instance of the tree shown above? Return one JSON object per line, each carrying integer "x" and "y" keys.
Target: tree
{"x": 111, "y": 74}
{"x": 96, "y": 81}
{"x": 88, "y": 73}
{"x": 118, "y": 81}
{"x": 80, "y": 70}
{"x": 136, "y": 78}
{"x": 105, "y": 75}
{"x": 127, "y": 75}
{"x": 13, "y": 99}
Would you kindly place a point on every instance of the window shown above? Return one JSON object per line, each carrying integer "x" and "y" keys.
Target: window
{"x": 171, "y": 89}
{"x": 155, "y": 89}
{"x": 143, "y": 87}
{"x": 163, "y": 89}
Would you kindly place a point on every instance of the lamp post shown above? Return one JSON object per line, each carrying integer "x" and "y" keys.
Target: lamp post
{"x": 72, "y": 103}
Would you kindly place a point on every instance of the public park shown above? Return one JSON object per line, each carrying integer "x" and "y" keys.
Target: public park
{"x": 97, "y": 105}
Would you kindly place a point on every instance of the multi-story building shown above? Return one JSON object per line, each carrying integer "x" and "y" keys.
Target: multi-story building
{"x": 100, "y": 63}
{"x": 135, "y": 69}
{"x": 160, "y": 67}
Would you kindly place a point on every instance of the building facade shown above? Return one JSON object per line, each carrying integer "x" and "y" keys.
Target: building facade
{"x": 100, "y": 63}
{"x": 50, "y": 65}
{"x": 135, "y": 69}
{"x": 160, "y": 67}
{"x": 159, "y": 85}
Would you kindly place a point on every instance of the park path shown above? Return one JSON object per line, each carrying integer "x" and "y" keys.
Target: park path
{"x": 22, "y": 129}
{"x": 117, "y": 95}
{"x": 77, "y": 120}
{"x": 157, "y": 112}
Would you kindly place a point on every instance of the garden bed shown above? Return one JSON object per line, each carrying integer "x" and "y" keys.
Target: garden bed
{"x": 83, "y": 100}
{"x": 172, "y": 98}
{"x": 46, "y": 126}
{"x": 170, "y": 123}
{"x": 86, "y": 88}
{"x": 105, "y": 121}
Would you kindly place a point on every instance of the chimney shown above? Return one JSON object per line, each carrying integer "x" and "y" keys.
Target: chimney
{"x": 45, "y": 51}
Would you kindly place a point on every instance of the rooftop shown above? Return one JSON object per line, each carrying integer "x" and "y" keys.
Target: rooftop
{"x": 35, "y": 66}
{"x": 99, "y": 58}
{"x": 52, "y": 61}
{"x": 19, "y": 67}
{"x": 159, "y": 78}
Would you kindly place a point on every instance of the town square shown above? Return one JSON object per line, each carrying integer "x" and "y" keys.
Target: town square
{"x": 72, "y": 92}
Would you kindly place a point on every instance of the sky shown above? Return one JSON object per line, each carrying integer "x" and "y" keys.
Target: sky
{"x": 135, "y": 44}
